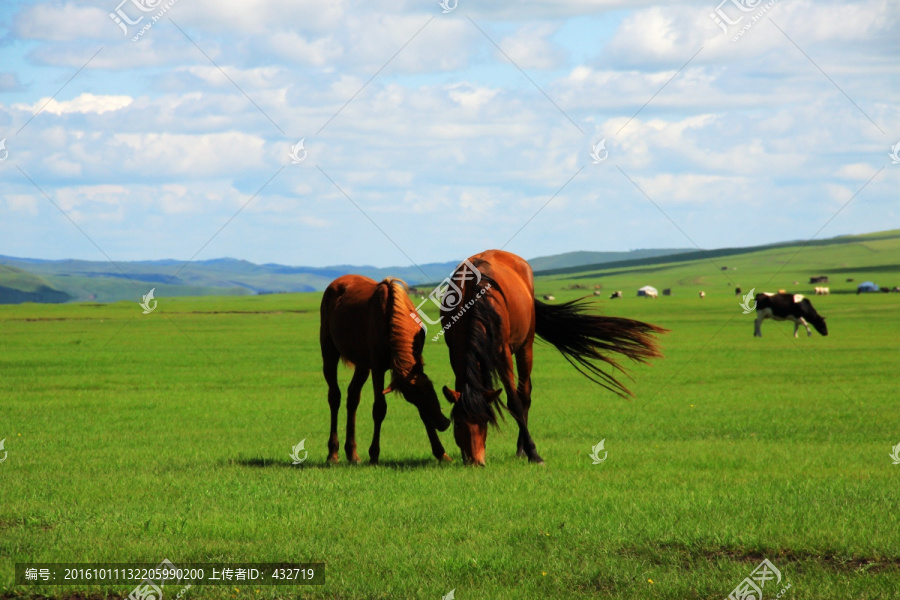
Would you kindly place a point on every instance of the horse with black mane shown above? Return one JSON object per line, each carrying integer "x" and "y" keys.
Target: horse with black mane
{"x": 498, "y": 319}
{"x": 368, "y": 325}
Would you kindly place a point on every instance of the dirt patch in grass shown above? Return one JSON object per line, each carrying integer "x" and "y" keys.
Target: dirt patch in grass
{"x": 829, "y": 560}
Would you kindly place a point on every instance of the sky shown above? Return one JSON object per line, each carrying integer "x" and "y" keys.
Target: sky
{"x": 152, "y": 129}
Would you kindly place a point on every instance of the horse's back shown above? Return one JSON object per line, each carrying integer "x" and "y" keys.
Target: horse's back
{"x": 515, "y": 279}
{"x": 345, "y": 316}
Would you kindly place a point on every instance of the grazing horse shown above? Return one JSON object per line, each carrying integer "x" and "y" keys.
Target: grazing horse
{"x": 368, "y": 325}
{"x": 498, "y": 319}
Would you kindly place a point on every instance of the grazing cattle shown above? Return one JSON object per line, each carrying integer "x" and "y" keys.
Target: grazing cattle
{"x": 782, "y": 292}
{"x": 896, "y": 289}
{"x": 616, "y": 295}
{"x": 849, "y": 279}
{"x": 548, "y": 297}
{"x": 819, "y": 279}
{"x": 737, "y": 291}
{"x": 598, "y": 293}
{"x": 822, "y": 291}
{"x": 702, "y": 294}
{"x": 667, "y": 292}
{"x": 788, "y": 307}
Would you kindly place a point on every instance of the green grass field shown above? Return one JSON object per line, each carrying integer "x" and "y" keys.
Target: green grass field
{"x": 135, "y": 437}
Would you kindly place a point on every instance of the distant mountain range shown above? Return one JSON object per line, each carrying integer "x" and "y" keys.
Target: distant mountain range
{"x": 37, "y": 280}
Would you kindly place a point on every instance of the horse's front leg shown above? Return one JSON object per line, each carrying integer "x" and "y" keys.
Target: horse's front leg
{"x": 379, "y": 410}
{"x": 524, "y": 360}
{"x": 517, "y": 408}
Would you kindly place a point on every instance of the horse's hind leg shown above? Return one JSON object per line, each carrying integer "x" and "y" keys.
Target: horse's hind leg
{"x": 330, "y": 358}
{"x": 353, "y": 390}
{"x": 524, "y": 361}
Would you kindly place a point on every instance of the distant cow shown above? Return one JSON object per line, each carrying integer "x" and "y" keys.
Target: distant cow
{"x": 821, "y": 291}
{"x": 616, "y": 295}
{"x": 782, "y": 292}
{"x": 819, "y": 279}
{"x": 788, "y": 307}
{"x": 549, "y": 297}
{"x": 737, "y": 291}
{"x": 667, "y": 292}
{"x": 703, "y": 294}
{"x": 598, "y": 293}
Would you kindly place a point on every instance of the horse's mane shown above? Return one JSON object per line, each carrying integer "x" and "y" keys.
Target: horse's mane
{"x": 483, "y": 357}
{"x": 404, "y": 342}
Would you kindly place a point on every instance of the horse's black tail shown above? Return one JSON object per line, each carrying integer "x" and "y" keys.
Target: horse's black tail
{"x": 585, "y": 339}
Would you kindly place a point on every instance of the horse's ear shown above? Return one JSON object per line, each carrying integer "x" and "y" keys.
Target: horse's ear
{"x": 493, "y": 395}
{"x": 452, "y": 396}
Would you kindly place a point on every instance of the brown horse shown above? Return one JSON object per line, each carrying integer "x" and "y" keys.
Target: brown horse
{"x": 368, "y": 324}
{"x": 495, "y": 318}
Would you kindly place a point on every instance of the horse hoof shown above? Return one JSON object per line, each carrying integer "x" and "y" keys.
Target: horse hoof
{"x": 373, "y": 462}
{"x": 521, "y": 454}
{"x": 333, "y": 459}
{"x": 445, "y": 459}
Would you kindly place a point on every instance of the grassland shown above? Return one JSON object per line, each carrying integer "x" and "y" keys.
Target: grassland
{"x": 136, "y": 437}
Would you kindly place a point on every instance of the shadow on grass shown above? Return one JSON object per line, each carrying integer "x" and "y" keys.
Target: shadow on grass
{"x": 404, "y": 464}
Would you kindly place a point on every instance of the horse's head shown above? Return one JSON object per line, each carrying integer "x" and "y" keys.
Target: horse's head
{"x": 418, "y": 390}
{"x": 471, "y": 416}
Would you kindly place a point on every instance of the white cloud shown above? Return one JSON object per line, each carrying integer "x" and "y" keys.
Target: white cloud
{"x": 83, "y": 104}
{"x": 858, "y": 171}
{"x": 295, "y": 48}
{"x": 64, "y": 22}
{"x": 22, "y": 203}
{"x": 530, "y": 48}
{"x": 470, "y": 96}
{"x": 195, "y": 156}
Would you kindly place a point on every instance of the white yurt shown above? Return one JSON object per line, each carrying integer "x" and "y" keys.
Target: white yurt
{"x": 648, "y": 291}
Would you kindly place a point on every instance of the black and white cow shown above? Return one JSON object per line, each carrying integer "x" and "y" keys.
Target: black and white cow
{"x": 788, "y": 307}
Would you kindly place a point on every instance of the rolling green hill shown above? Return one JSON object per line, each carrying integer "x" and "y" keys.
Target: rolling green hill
{"x": 107, "y": 282}
{"x": 18, "y": 286}
{"x": 874, "y": 257}
{"x": 578, "y": 260}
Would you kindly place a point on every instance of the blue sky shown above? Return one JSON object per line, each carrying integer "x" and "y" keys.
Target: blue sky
{"x": 475, "y": 131}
